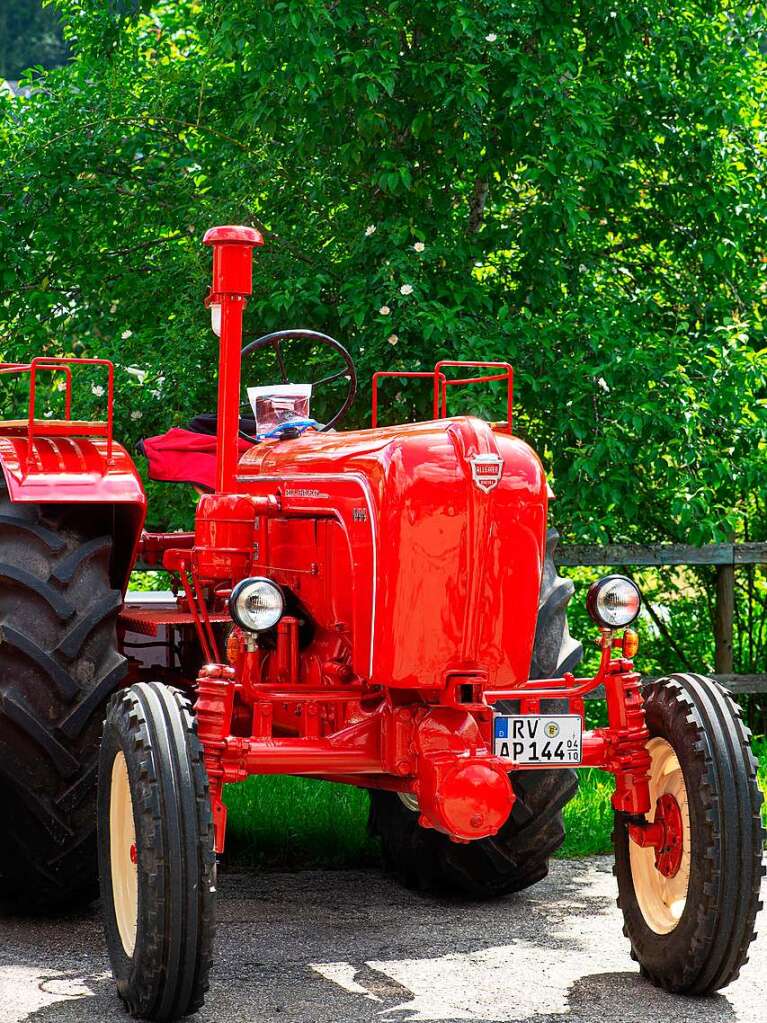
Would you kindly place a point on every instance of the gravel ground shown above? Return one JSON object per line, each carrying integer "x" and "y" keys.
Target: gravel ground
{"x": 319, "y": 947}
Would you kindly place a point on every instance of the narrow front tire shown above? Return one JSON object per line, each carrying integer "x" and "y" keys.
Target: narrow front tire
{"x": 156, "y": 855}
{"x": 689, "y": 907}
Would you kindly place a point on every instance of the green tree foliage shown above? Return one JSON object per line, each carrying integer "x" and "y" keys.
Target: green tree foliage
{"x": 30, "y": 35}
{"x": 578, "y": 188}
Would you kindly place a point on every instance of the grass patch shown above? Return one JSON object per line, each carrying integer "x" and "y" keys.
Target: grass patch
{"x": 287, "y": 823}
{"x": 760, "y": 748}
{"x": 294, "y": 823}
{"x": 589, "y": 817}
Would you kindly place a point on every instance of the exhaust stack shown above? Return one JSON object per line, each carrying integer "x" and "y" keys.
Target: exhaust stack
{"x": 228, "y": 295}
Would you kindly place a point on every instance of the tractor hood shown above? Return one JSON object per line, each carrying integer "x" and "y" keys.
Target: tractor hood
{"x": 424, "y": 542}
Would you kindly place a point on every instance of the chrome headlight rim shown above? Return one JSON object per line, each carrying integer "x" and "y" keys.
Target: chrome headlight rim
{"x": 241, "y": 590}
{"x": 595, "y": 605}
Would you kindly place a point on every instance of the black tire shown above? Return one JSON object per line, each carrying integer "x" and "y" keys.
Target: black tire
{"x": 150, "y": 734}
{"x": 712, "y": 929}
{"x": 554, "y": 651}
{"x": 59, "y": 662}
{"x": 518, "y": 856}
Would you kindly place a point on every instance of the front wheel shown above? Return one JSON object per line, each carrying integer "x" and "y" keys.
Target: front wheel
{"x": 689, "y": 907}
{"x": 156, "y": 856}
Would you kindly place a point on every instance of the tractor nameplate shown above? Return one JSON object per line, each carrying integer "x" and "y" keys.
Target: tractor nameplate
{"x": 486, "y": 471}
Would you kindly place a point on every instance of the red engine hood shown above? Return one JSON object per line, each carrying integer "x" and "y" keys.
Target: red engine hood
{"x": 453, "y": 518}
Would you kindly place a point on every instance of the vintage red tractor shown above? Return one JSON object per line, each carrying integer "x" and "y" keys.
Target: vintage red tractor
{"x": 377, "y": 607}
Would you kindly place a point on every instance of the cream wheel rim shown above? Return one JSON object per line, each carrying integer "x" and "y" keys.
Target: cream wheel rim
{"x": 662, "y": 899}
{"x": 123, "y": 857}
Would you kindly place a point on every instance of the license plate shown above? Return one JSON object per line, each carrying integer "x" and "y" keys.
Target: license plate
{"x": 538, "y": 738}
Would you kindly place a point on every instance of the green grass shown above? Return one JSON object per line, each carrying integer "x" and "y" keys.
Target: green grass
{"x": 760, "y": 748}
{"x": 589, "y": 817}
{"x": 296, "y": 823}
{"x": 293, "y": 823}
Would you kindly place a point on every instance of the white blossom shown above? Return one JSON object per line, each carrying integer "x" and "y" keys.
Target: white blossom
{"x": 136, "y": 414}
{"x": 98, "y": 390}
{"x": 604, "y": 385}
{"x": 371, "y": 229}
{"x": 137, "y": 372}
{"x": 126, "y": 334}
{"x": 392, "y": 339}
{"x": 419, "y": 246}
{"x": 384, "y": 310}
{"x": 113, "y": 308}
{"x": 491, "y": 37}
{"x": 406, "y": 289}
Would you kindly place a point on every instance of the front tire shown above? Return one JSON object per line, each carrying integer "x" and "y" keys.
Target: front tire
{"x": 690, "y": 917}
{"x": 156, "y": 856}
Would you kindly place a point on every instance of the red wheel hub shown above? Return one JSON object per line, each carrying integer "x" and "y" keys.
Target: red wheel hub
{"x": 665, "y": 834}
{"x": 668, "y": 855}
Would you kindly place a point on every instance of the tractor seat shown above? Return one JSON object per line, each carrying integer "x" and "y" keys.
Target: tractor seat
{"x": 188, "y": 454}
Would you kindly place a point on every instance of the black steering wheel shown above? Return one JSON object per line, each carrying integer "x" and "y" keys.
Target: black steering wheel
{"x": 275, "y": 341}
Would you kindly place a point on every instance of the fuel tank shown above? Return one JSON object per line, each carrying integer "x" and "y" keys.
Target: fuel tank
{"x": 422, "y": 543}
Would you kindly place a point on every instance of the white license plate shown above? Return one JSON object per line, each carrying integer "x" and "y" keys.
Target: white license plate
{"x": 538, "y": 738}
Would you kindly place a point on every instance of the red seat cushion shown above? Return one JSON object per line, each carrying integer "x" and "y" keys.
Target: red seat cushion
{"x": 182, "y": 456}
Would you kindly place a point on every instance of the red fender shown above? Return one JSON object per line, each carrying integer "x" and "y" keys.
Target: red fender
{"x": 79, "y": 470}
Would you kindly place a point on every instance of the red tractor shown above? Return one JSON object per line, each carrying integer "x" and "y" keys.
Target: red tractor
{"x": 377, "y": 607}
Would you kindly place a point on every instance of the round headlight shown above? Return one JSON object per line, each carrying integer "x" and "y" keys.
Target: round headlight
{"x": 614, "y": 601}
{"x": 256, "y": 604}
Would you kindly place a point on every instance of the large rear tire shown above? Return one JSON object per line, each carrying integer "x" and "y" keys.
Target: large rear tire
{"x": 518, "y": 856}
{"x": 59, "y": 662}
{"x": 156, "y": 854}
{"x": 689, "y": 910}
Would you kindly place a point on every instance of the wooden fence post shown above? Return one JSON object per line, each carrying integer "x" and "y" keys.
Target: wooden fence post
{"x": 723, "y": 619}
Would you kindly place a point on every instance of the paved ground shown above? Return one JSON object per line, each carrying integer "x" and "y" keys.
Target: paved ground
{"x": 336, "y": 947}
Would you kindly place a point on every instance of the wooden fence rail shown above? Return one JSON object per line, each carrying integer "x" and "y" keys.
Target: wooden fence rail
{"x": 577, "y": 554}
{"x": 724, "y": 556}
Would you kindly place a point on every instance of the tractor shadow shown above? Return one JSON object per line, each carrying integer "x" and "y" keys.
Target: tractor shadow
{"x": 332, "y": 947}
{"x": 620, "y": 997}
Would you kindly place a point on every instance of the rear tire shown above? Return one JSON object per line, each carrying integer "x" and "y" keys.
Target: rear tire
{"x": 59, "y": 663}
{"x": 690, "y": 930}
{"x": 156, "y": 856}
{"x": 554, "y": 651}
{"x": 518, "y": 856}
{"x": 514, "y": 859}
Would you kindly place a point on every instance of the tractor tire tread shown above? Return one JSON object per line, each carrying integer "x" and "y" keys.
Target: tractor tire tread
{"x": 155, "y": 726}
{"x": 707, "y": 949}
{"x": 58, "y": 663}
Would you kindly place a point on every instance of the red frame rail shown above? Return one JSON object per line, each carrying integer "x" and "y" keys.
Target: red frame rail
{"x": 507, "y": 375}
{"x": 66, "y": 427}
{"x": 442, "y": 382}
{"x": 423, "y": 374}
